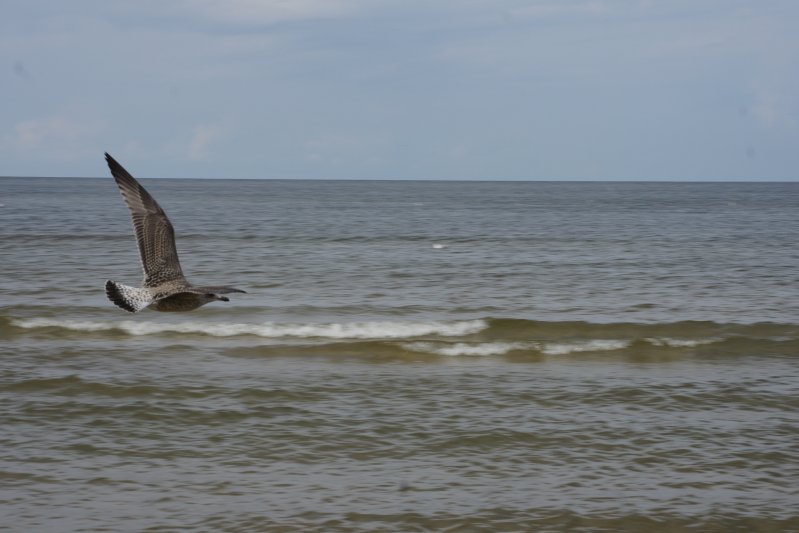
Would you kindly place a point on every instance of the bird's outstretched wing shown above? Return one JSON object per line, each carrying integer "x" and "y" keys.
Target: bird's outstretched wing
{"x": 154, "y": 232}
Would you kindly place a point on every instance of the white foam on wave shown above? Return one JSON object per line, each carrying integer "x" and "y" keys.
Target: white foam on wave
{"x": 598, "y": 345}
{"x": 679, "y": 343}
{"x": 465, "y": 349}
{"x": 353, "y": 330}
{"x": 502, "y": 348}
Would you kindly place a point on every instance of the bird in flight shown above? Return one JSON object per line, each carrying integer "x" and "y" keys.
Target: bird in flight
{"x": 165, "y": 288}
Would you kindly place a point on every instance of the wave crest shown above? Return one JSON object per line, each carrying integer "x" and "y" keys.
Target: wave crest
{"x": 466, "y": 349}
{"x": 486, "y": 337}
{"x": 272, "y": 330}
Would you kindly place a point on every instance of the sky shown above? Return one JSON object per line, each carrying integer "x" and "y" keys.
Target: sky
{"x": 402, "y": 89}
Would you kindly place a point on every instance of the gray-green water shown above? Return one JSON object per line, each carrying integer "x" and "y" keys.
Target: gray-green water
{"x": 410, "y": 356}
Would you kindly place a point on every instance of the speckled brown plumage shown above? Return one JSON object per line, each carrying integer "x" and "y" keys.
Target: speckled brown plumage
{"x": 164, "y": 288}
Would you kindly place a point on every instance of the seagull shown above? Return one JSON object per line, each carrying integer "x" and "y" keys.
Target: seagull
{"x": 164, "y": 287}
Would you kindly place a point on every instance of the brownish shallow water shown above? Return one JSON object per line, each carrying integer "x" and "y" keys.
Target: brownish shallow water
{"x": 618, "y": 357}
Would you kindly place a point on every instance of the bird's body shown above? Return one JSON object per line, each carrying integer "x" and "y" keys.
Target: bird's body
{"x": 165, "y": 288}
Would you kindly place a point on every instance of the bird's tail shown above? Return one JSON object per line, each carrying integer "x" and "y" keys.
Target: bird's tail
{"x": 128, "y": 298}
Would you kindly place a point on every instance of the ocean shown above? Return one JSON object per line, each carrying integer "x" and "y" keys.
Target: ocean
{"x": 409, "y": 357}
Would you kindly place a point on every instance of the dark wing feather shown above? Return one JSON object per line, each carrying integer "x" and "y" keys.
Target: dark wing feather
{"x": 213, "y": 290}
{"x": 154, "y": 232}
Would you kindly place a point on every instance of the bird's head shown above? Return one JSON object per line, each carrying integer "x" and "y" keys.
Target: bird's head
{"x": 215, "y": 293}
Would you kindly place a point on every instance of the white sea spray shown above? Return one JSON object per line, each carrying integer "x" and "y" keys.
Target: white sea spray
{"x": 679, "y": 343}
{"x": 597, "y": 345}
{"x": 466, "y": 349}
{"x": 345, "y": 330}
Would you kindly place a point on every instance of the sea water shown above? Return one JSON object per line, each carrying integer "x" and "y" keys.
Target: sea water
{"x": 409, "y": 356}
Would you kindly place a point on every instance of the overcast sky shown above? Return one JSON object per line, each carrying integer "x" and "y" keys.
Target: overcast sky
{"x": 417, "y": 89}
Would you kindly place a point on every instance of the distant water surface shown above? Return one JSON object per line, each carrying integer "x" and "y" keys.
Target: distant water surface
{"x": 410, "y": 356}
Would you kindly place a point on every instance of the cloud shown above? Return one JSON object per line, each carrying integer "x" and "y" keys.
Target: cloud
{"x": 203, "y": 136}
{"x": 269, "y": 11}
{"x": 57, "y": 136}
{"x": 541, "y": 10}
{"x": 401, "y": 88}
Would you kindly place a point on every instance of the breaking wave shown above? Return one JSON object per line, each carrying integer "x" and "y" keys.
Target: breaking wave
{"x": 272, "y": 330}
{"x": 463, "y": 348}
{"x": 484, "y": 337}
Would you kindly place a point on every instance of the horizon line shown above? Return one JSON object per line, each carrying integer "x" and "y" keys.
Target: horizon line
{"x": 477, "y": 180}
